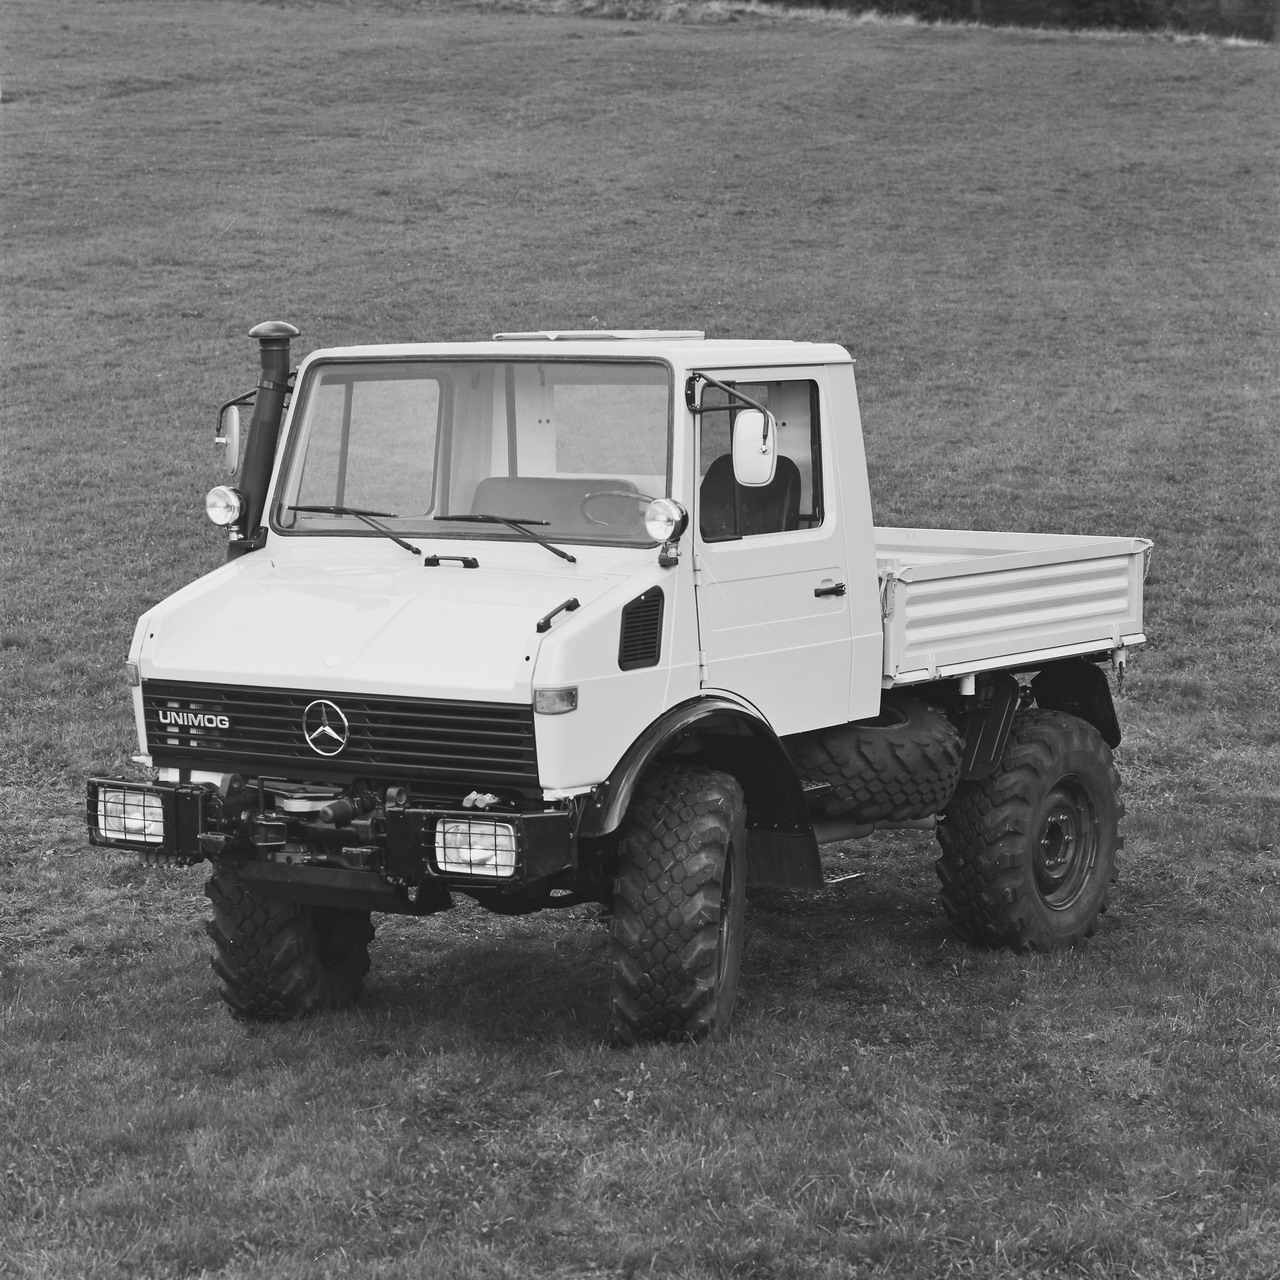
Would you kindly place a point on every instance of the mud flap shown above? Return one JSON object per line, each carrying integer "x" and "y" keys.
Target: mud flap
{"x": 987, "y": 729}
{"x": 782, "y": 860}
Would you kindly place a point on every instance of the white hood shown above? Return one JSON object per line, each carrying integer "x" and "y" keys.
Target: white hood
{"x": 444, "y": 632}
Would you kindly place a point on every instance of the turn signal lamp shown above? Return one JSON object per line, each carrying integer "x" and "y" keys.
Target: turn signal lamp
{"x": 475, "y": 847}
{"x": 223, "y": 504}
{"x": 555, "y": 702}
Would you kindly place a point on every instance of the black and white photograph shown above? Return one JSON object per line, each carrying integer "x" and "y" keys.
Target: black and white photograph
{"x": 640, "y": 640}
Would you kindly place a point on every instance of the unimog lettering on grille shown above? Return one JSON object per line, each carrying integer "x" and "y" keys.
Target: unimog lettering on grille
{"x": 193, "y": 719}
{"x": 603, "y": 617}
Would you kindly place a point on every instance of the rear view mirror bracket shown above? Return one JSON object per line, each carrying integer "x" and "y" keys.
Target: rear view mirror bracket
{"x": 226, "y": 434}
{"x": 753, "y": 463}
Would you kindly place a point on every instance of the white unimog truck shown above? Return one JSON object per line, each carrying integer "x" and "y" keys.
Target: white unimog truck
{"x": 603, "y": 617}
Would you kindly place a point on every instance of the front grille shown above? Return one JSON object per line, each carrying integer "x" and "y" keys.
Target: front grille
{"x": 246, "y": 729}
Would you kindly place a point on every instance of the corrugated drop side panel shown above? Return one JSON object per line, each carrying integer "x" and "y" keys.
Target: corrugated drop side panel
{"x": 980, "y": 616}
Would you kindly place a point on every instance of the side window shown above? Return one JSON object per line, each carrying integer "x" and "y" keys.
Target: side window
{"x": 793, "y": 500}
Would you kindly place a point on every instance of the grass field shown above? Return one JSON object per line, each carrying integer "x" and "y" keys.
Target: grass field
{"x": 1056, "y": 260}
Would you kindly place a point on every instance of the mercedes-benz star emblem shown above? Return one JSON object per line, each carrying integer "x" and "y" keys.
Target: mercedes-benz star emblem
{"x": 325, "y": 728}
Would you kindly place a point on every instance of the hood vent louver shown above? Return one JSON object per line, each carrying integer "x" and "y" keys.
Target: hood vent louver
{"x": 640, "y": 644}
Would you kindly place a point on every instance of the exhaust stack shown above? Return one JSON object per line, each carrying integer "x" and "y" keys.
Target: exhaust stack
{"x": 273, "y": 337}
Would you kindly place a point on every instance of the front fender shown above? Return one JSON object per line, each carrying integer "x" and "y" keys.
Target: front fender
{"x": 721, "y": 732}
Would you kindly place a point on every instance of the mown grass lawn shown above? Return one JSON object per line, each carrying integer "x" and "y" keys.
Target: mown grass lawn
{"x": 1056, "y": 260}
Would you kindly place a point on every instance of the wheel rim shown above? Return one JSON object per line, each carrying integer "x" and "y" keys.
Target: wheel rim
{"x": 1066, "y": 845}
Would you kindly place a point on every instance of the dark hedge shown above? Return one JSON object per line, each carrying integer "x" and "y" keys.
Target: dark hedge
{"x": 1251, "y": 19}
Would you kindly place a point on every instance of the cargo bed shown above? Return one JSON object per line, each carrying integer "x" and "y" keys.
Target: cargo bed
{"x": 957, "y": 602}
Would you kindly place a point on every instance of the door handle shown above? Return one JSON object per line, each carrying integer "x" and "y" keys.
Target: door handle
{"x": 836, "y": 590}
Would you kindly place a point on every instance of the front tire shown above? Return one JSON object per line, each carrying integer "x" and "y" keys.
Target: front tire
{"x": 679, "y": 908}
{"x": 276, "y": 960}
{"x": 1029, "y": 853}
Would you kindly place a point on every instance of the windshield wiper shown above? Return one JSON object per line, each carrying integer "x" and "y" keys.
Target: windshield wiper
{"x": 518, "y": 524}
{"x": 361, "y": 514}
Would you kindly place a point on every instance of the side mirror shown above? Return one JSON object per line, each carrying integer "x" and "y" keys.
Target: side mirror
{"x": 227, "y": 437}
{"x": 755, "y": 448}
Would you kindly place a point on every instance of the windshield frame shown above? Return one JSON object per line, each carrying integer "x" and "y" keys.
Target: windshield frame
{"x": 428, "y": 526}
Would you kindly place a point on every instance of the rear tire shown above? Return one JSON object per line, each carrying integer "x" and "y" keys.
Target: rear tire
{"x": 679, "y": 908}
{"x": 281, "y": 960}
{"x": 1029, "y": 853}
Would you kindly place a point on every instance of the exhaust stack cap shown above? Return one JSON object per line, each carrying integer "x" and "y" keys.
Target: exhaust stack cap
{"x": 274, "y": 331}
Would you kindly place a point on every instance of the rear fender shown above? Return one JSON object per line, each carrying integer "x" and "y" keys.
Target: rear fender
{"x": 1079, "y": 688}
{"x": 721, "y": 733}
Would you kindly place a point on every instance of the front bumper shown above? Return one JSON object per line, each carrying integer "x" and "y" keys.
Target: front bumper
{"x": 401, "y": 845}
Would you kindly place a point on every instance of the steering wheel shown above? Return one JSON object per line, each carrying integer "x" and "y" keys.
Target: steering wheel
{"x": 608, "y": 493}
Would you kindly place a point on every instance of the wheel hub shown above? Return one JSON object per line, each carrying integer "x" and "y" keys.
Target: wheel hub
{"x": 1067, "y": 846}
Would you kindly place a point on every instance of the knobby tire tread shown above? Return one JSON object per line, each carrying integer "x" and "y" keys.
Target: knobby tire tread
{"x": 884, "y": 773}
{"x": 667, "y": 907}
{"x": 987, "y": 839}
{"x": 277, "y": 960}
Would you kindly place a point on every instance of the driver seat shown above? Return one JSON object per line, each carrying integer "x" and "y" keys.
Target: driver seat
{"x": 727, "y": 509}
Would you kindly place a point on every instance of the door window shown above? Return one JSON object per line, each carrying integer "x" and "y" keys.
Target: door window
{"x": 793, "y": 499}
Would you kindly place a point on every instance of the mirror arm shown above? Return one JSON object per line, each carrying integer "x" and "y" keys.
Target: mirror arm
{"x": 691, "y": 401}
{"x": 690, "y": 396}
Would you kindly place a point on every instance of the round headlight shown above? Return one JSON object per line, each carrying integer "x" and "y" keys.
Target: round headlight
{"x": 665, "y": 519}
{"x": 223, "y": 505}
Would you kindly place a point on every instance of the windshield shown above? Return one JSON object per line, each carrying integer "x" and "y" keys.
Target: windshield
{"x": 576, "y": 449}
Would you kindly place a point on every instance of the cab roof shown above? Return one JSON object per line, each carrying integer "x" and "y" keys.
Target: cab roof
{"x": 684, "y": 348}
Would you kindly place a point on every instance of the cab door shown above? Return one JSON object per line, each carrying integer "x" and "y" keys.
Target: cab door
{"x": 773, "y": 616}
